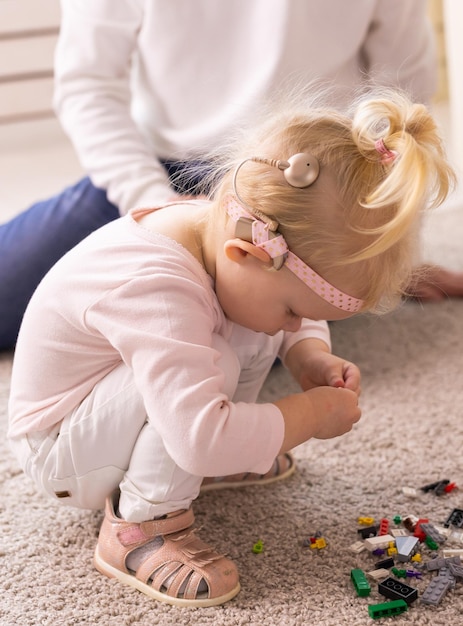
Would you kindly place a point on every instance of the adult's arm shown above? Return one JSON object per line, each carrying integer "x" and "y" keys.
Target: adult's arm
{"x": 93, "y": 101}
{"x": 399, "y": 48}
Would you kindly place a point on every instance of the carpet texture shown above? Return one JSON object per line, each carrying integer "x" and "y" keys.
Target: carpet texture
{"x": 411, "y": 434}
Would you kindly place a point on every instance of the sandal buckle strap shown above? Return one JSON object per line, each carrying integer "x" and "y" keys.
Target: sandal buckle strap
{"x": 130, "y": 535}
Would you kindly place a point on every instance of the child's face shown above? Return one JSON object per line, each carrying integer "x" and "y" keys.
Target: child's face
{"x": 269, "y": 301}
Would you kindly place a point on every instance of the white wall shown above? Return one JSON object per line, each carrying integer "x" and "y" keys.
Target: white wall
{"x": 453, "y": 23}
{"x": 28, "y": 32}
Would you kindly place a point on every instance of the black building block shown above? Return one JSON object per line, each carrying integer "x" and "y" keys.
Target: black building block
{"x": 397, "y": 590}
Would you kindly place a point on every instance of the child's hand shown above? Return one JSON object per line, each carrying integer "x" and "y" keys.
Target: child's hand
{"x": 328, "y": 369}
{"x": 322, "y": 412}
{"x": 328, "y": 406}
{"x": 334, "y": 412}
{"x": 313, "y": 365}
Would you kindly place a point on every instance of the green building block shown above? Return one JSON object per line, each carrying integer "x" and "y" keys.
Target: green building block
{"x": 432, "y": 545}
{"x": 361, "y": 584}
{"x": 400, "y": 573}
{"x": 387, "y": 609}
{"x": 258, "y": 547}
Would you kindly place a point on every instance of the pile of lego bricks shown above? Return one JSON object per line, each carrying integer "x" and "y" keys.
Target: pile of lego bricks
{"x": 408, "y": 548}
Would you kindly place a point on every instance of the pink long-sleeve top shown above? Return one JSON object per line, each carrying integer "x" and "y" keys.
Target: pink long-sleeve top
{"x": 128, "y": 294}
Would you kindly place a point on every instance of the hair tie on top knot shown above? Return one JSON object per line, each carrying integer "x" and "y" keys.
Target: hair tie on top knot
{"x": 387, "y": 156}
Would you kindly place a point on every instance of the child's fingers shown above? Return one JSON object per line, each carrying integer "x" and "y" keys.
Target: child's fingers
{"x": 351, "y": 377}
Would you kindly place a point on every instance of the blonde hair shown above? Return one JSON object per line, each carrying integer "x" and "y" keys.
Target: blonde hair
{"x": 362, "y": 211}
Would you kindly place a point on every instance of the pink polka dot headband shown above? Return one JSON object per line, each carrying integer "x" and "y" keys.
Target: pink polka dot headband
{"x": 250, "y": 228}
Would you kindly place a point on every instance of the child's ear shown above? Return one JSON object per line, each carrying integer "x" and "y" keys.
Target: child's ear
{"x": 237, "y": 249}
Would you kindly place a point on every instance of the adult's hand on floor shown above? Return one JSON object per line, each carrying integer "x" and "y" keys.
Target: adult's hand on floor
{"x": 434, "y": 283}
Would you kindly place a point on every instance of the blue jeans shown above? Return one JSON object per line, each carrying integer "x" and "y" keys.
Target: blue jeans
{"x": 34, "y": 240}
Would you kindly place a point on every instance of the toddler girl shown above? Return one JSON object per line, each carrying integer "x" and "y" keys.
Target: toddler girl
{"x": 142, "y": 353}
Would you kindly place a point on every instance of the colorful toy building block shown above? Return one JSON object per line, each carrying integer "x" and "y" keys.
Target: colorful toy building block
{"x": 440, "y": 562}
{"x": 455, "y": 519}
{"x": 385, "y": 564}
{"x": 438, "y": 487}
{"x": 448, "y": 552}
{"x": 405, "y": 547}
{"x": 418, "y": 531}
{"x": 400, "y": 573}
{"x": 434, "y": 564}
{"x": 446, "y": 574}
{"x": 312, "y": 541}
{"x": 432, "y": 532}
{"x": 258, "y": 547}
{"x": 361, "y": 584}
{"x": 410, "y": 522}
{"x": 366, "y": 521}
{"x": 441, "y": 487}
{"x": 387, "y": 609}
{"x": 397, "y": 590}
{"x": 318, "y": 544}
{"x": 378, "y": 574}
{"x": 435, "y": 591}
{"x": 381, "y": 541}
{"x": 455, "y": 535}
{"x": 357, "y": 547}
{"x": 456, "y": 570}
{"x": 368, "y": 531}
{"x": 445, "y": 532}
{"x": 432, "y": 545}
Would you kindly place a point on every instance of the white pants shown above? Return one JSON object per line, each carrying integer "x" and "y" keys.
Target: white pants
{"x": 108, "y": 440}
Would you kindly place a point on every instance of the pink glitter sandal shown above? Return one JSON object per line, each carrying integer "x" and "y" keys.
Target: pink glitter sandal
{"x": 282, "y": 468}
{"x": 181, "y": 569}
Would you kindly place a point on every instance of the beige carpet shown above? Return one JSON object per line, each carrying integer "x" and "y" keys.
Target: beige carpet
{"x": 411, "y": 434}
